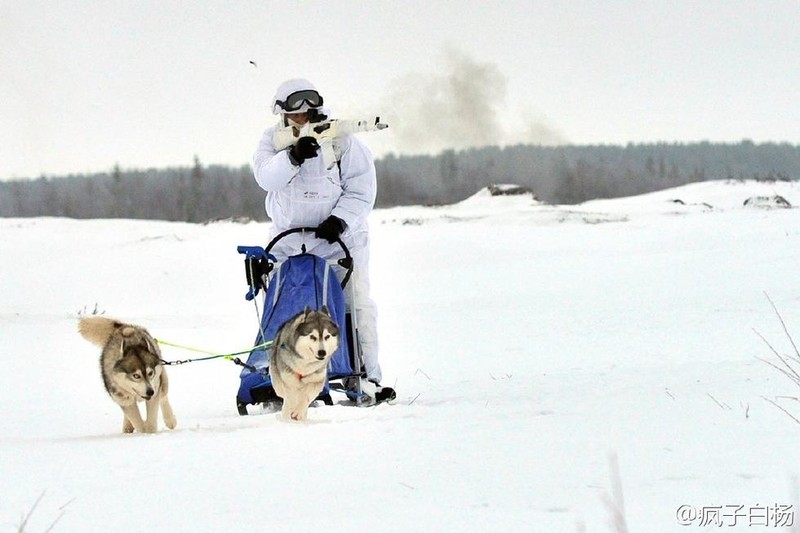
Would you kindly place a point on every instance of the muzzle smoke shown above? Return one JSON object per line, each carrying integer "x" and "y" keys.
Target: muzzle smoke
{"x": 462, "y": 106}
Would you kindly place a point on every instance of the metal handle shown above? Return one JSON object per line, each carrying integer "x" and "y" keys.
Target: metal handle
{"x": 346, "y": 262}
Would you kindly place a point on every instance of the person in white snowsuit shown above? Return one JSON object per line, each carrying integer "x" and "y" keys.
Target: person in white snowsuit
{"x": 302, "y": 192}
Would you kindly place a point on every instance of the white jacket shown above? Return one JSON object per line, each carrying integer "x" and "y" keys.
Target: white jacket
{"x": 306, "y": 195}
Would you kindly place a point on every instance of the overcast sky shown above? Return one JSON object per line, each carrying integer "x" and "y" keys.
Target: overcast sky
{"x": 85, "y": 85}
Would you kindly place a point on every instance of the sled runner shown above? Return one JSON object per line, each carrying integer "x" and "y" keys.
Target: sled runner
{"x": 301, "y": 281}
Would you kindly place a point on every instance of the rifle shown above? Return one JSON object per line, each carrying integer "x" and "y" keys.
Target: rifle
{"x": 325, "y": 132}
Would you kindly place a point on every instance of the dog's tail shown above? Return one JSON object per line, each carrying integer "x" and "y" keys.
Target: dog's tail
{"x": 98, "y": 329}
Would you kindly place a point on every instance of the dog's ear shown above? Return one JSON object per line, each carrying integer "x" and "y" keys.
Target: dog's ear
{"x": 152, "y": 345}
{"x": 325, "y": 311}
{"x": 306, "y": 312}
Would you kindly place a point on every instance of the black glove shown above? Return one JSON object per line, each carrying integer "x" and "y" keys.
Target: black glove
{"x": 330, "y": 229}
{"x": 304, "y": 148}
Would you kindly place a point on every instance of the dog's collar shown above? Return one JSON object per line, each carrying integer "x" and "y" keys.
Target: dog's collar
{"x": 301, "y": 377}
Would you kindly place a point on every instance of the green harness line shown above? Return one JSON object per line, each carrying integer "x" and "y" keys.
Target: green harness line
{"x": 211, "y": 355}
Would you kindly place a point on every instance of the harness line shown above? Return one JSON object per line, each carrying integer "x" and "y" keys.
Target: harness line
{"x": 212, "y": 355}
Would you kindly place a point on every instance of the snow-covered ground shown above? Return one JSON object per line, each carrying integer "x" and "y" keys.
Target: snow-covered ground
{"x": 530, "y": 345}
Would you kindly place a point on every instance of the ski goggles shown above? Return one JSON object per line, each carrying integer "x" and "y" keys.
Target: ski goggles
{"x": 296, "y": 100}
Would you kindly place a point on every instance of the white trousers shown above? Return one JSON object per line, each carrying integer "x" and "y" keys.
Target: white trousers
{"x": 364, "y": 314}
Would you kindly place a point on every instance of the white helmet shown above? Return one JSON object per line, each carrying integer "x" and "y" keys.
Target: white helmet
{"x": 295, "y": 96}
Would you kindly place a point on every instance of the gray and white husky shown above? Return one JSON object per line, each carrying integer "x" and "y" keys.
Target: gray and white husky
{"x": 298, "y": 364}
{"x": 132, "y": 370}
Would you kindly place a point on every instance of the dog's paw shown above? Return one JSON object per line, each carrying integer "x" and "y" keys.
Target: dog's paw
{"x": 298, "y": 415}
{"x": 169, "y": 417}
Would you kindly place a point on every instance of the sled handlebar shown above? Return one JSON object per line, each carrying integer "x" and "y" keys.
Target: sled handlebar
{"x": 346, "y": 262}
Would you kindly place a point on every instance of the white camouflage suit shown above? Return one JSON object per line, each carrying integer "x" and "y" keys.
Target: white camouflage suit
{"x": 307, "y": 194}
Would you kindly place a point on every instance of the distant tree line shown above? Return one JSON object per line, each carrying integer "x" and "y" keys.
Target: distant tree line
{"x": 560, "y": 174}
{"x": 574, "y": 174}
{"x": 192, "y": 194}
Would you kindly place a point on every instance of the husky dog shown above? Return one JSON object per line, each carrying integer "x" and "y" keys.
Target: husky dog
{"x": 132, "y": 371}
{"x": 298, "y": 364}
